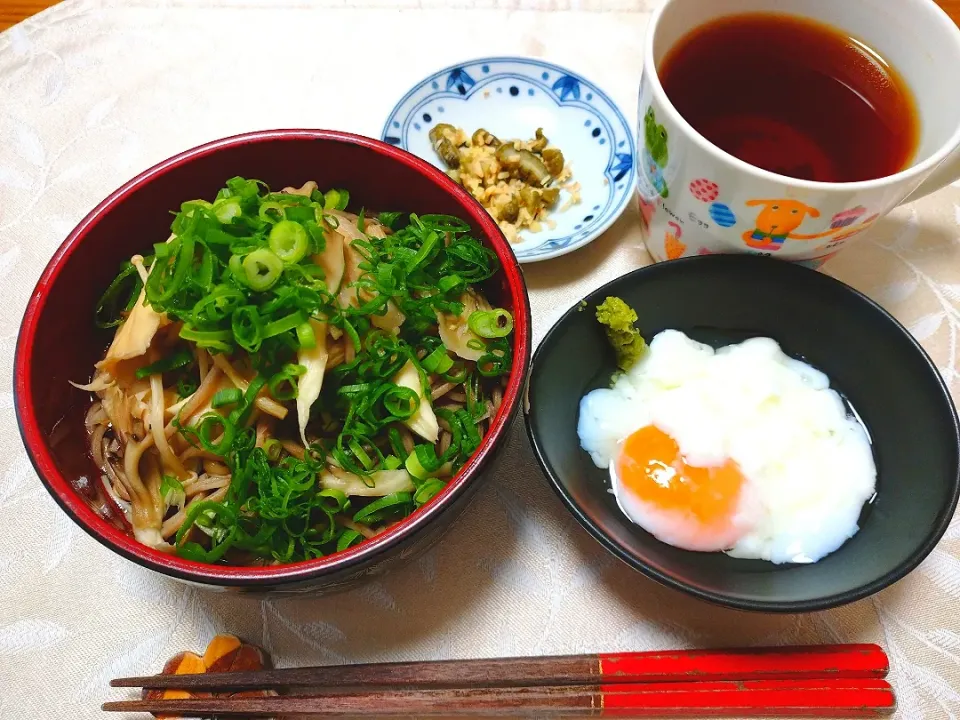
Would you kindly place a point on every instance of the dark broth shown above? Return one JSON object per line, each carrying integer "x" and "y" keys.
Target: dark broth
{"x": 794, "y": 97}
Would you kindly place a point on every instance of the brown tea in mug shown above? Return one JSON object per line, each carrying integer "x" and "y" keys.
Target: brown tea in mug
{"x": 793, "y": 96}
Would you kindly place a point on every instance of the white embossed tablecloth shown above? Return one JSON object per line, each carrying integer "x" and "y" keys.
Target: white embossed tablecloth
{"x": 93, "y": 92}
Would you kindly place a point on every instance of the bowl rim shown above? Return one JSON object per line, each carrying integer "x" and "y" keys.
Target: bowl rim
{"x": 171, "y": 565}
{"x": 690, "y": 264}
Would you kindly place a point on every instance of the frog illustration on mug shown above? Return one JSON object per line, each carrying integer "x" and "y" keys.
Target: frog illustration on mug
{"x": 655, "y": 152}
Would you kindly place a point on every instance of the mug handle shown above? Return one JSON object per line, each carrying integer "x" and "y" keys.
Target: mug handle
{"x": 947, "y": 172}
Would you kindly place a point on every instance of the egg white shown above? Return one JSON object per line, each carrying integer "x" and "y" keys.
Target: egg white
{"x": 807, "y": 463}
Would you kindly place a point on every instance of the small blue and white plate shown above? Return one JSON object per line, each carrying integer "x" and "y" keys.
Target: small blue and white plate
{"x": 511, "y": 97}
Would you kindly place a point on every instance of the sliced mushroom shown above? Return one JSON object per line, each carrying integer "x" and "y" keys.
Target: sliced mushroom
{"x": 306, "y": 190}
{"x": 311, "y": 382}
{"x": 137, "y": 331}
{"x": 331, "y": 260}
{"x": 383, "y": 482}
{"x": 424, "y": 421}
{"x": 392, "y": 319}
{"x": 456, "y": 333}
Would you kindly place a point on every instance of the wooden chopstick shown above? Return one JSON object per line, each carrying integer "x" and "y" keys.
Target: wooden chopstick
{"x": 859, "y": 698}
{"x": 778, "y": 663}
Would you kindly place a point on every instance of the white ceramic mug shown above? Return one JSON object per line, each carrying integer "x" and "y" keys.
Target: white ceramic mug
{"x": 697, "y": 199}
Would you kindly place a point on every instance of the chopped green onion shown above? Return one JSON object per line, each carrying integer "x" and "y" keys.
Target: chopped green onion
{"x": 216, "y": 236}
{"x": 336, "y": 200}
{"x": 213, "y": 514}
{"x": 172, "y": 492}
{"x": 289, "y": 241}
{"x": 472, "y": 439}
{"x": 333, "y": 500}
{"x": 450, "y": 283}
{"x": 445, "y": 223}
{"x": 438, "y": 361}
{"x": 177, "y": 360}
{"x": 271, "y": 212}
{"x": 186, "y": 387}
{"x": 361, "y": 454}
{"x": 209, "y": 425}
{"x": 288, "y": 376}
{"x": 247, "y": 328}
{"x": 243, "y": 188}
{"x": 227, "y": 209}
{"x": 426, "y": 492}
{"x": 496, "y": 361}
{"x": 169, "y": 274}
{"x": 396, "y": 444}
{"x": 389, "y": 219}
{"x": 422, "y": 462}
{"x": 456, "y": 374}
{"x": 226, "y": 396}
{"x": 120, "y": 297}
{"x": 284, "y": 324}
{"x": 348, "y": 538}
{"x": 273, "y": 449}
{"x": 300, "y": 213}
{"x": 306, "y": 337}
{"x": 383, "y": 507}
{"x": 392, "y": 462}
{"x": 353, "y": 335}
{"x": 240, "y": 415}
{"x": 401, "y": 402}
{"x": 218, "y": 304}
{"x": 209, "y": 339}
{"x": 235, "y": 264}
{"x": 491, "y": 323}
{"x": 261, "y": 269}
{"x": 203, "y": 277}
{"x": 429, "y": 243}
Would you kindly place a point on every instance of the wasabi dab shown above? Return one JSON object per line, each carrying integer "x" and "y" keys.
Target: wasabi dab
{"x": 618, "y": 318}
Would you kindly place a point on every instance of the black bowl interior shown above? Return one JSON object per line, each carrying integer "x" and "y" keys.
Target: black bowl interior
{"x": 870, "y": 358}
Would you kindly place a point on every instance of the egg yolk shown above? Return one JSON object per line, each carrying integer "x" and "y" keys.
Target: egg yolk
{"x": 651, "y": 467}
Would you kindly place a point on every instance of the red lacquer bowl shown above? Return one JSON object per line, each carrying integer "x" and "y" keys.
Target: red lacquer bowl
{"x": 58, "y": 341}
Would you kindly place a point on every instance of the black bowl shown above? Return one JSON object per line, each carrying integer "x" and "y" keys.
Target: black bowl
{"x": 870, "y": 358}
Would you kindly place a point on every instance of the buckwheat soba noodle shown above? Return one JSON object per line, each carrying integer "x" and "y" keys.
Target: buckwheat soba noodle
{"x": 287, "y": 378}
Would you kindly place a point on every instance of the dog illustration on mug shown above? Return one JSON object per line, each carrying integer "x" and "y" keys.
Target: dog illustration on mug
{"x": 778, "y": 219}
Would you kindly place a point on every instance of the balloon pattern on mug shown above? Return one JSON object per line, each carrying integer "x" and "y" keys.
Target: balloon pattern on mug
{"x": 704, "y": 190}
{"x": 847, "y": 217}
{"x": 722, "y": 215}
